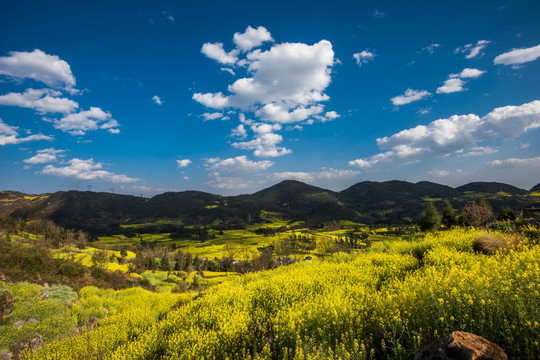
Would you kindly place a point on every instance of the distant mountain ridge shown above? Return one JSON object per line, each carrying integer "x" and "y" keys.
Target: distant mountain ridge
{"x": 389, "y": 202}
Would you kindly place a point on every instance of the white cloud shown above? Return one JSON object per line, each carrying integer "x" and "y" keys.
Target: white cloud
{"x": 214, "y": 101}
{"x": 42, "y": 100}
{"x": 212, "y": 116}
{"x": 470, "y": 73}
{"x": 236, "y": 165}
{"x": 86, "y": 170}
{"x": 229, "y": 70}
{"x": 284, "y": 84}
{"x": 215, "y": 52}
{"x": 410, "y": 96}
{"x": 430, "y": 49}
{"x": 459, "y": 133}
{"x": 479, "y": 150}
{"x": 518, "y": 56}
{"x": 265, "y": 142}
{"x": 324, "y": 174}
{"x": 83, "y": 121}
{"x": 252, "y": 38}
{"x": 529, "y": 162}
{"x": 439, "y": 173}
{"x": 330, "y": 115}
{"x": 183, "y": 163}
{"x": 378, "y": 14}
{"x": 38, "y": 66}
{"x": 239, "y": 132}
{"x": 451, "y": 86}
{"x": 473, "y": 51}
{"x": 9, "y": 135}
{"x": 45, "y": 156}
{"x": 363, "y": 57}
{"x": 525, "y": 146}
{"x": 157, "y": 100}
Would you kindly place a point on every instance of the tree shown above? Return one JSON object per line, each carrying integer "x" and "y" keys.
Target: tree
{"x": 430, "y": 219}
{"x": 479, "y": 215}
{"x": 448, "y": 215}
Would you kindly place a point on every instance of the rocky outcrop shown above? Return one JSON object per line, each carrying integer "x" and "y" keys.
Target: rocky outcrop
{"x": 6, "y": 303}
{"x": 32, "y": 344}
{"x": 462, "y": 346}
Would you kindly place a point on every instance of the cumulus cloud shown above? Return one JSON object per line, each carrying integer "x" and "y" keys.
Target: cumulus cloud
{"x": 457, "y": 134}
{"x": 284, "y": 84}
{"x": 10, "y": 135}
{"x": 83, "y": 121}
{"x": 236, "y": 165}
{"x": 45, "y": 156}
{"x": 518, "y": 56}
{"x": 451, "y": 86}
{"x": 330, "y": 115}
{"x": 363, "y": 57}
{"x": 183, "y": 163}
{"x": 265, "y": 142}
{"x": 86, "y": 170}
{"x": 252, "y": 38}
{"x": 527, "y": 162}
{"x": 157, "y": 100}
{"x": 294, "y": 175}
{"x": 38, "y": 66}
{"x": 470, "y": 73}
{"x": 212, "y": 116}
{"x": 410, "y": 96}
{"x": 239, "y": 132}
{"x": 473, "y": 50}
{"x": 42, "y": 100}
{"x": 478, "y": 151}
{"x": 216, "y": 52}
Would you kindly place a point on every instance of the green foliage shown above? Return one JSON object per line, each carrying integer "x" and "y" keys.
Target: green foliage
{"x": 448, "y": 215}
{"x": 430, "y": 219}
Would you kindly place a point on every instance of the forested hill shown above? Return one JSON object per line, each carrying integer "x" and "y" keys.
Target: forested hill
{"x": 390, "y": 202}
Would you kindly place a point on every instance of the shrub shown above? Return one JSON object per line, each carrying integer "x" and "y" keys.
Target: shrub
{"x": 489, "y": 244}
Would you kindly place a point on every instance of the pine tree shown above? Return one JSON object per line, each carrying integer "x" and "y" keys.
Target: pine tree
{"x": 430, "y": 219}
{"x": 448, "y": 215}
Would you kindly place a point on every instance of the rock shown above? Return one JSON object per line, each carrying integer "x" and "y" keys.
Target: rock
{"x": 6, "y": 303}
{"x": 21, "y": 346}
{"x": 462, "y": 346}
{"x": 44, "y": 296}
{"x": 6, "y": 355}
{"x": 19, "y": 324}
{"x": 2, "y": 278}
{"x": 46, "y": 286}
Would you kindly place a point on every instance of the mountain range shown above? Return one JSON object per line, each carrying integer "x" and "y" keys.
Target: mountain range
{"x": 389, "y": 202}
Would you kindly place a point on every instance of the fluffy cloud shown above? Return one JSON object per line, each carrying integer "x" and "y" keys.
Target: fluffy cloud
{"x": 183, "y": 163}
{"x": 236, "y": 165}
{"x": 83, "y": 121}
{"x": 212, "y": 116}
{"x": 518, "y": 56}
{"x": 45, "y": 156}
{"x": 457, "y": 134}
{"x": 294, "y": 175}
{"x": 38, "y": 66}
{"x": 409, "y": 97}
{"x": 265, "y": 142}
{"x": 529, "y": 162}
{"x": 9, "y": 135}
{"x": 43, "y": 101}
{"x": 284, "y": 84}
{"x": 215, "y": 52}
{"x": 330, "y": 115}
{"x": 473, "y": 51}
{"x": 157, "y": 100}
{"x": 363, "y": 57}
{"x": 470, "y": 73}
{"x": 252, "y": 38}
{"x": 451, "y": 86}
{"x": 239, "y": 132}
{"x": 86, "y": 170}
{"x": 479, "y": 150}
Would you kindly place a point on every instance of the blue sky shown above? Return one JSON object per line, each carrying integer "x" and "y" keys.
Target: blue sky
{"x": 141, "y": 97}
